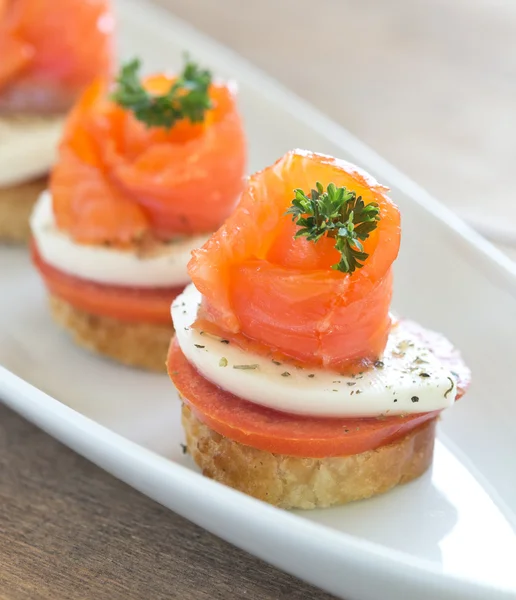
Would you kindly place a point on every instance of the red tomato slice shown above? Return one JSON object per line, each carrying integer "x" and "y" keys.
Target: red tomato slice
{"x": 283, "y": 433}
{"x": 297, "y": 435}
{"x": 131, "y": 304}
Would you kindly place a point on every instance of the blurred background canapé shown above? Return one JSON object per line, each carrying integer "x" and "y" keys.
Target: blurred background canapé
{"x": 429, "y": 84}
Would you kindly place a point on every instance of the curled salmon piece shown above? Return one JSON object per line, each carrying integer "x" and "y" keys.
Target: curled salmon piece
{"x": 273, "y": 293}
{"x": 117, "y": 180}
{"x": 50, "y": 51}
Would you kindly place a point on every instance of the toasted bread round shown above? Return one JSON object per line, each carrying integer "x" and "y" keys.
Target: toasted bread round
{"x": 16, "y": 203}
{"x": 141, "y": 345}
{"x": 293, "y": 482}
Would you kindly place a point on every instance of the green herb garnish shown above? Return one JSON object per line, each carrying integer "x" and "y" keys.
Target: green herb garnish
{"x": 339, "y": 214}
{"x": 188, "y": 97}
{"x": 223, "y": 362}
{"x": 450, "y": 388}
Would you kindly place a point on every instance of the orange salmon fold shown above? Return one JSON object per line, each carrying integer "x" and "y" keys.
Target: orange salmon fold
{"x": 271, "y": 293}
{"x": 51, "y": 50}
{"x": 117, "y": 180}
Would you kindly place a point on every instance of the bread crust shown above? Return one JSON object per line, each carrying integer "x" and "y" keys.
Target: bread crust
{"x": 142, "y": 345}
{"x": 16, "y": 204}
{"x": 294, "y": 482}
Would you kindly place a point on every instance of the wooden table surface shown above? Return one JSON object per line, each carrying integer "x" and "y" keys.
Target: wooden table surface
{"x": 428, "y": 83}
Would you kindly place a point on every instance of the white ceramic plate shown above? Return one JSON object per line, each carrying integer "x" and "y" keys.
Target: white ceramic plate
{"x": 449, "y": 535}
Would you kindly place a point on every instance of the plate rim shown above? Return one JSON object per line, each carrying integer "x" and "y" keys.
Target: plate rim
{"x": 91, "y": 440}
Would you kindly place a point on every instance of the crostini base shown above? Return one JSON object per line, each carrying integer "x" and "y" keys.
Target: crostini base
{"x": 306, "y": 483}
{"x": 16, "y": 204}
{"x": 141, "y": 345}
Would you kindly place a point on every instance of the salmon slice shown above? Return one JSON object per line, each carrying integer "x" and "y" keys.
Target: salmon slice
{"x": 51, "y": 51}
{"x": 269, "y": 292}
{"x": 117, "y": 179}
{"x": 16, "y": 55}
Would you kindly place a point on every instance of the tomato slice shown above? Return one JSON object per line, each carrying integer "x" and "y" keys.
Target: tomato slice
{"x": 279, "y": 432}
{"x": 131, "y": 304}
{"x": 296, "y": 435}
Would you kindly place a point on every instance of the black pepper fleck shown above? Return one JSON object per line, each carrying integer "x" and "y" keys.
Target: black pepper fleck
{"x": 415, "y": 399}
{"x": 379, "y": 364}
{"x": 350, "y": 383}
{"x": 285, "y": 374}
{"x": 424, "y": 375}
{"x": 311, "y": 375}
{"x": 224, "y": 341}
{"x": 184, "y": 449}
{"x": 199, "y": 346}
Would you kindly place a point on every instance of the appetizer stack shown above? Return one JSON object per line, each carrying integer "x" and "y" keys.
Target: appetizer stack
{"x": 49, "y": 52}
{"x": 298, "y": 385}
{"x": 145, "y": 171}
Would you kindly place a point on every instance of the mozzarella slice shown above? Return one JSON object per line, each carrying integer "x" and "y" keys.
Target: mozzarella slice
{"x": 166, "y": 267}
{"x": 409, "y": 379}
{"x": 28, "y": 146}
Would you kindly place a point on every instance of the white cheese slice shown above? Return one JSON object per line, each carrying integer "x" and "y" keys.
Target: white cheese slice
{"x": 165, "y": 267}
{"x": 409, "y": 379}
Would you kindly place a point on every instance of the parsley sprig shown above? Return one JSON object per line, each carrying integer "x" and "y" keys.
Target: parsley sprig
{"x": 339, "y": 214}
{"x": 188, "y": 97}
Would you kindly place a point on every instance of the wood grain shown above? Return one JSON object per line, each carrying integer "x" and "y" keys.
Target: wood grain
{"x": 70, "y": 531}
